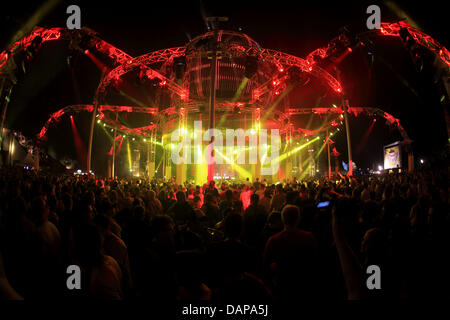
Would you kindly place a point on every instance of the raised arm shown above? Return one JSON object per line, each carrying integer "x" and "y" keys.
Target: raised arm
{"x": 351, "y": 268}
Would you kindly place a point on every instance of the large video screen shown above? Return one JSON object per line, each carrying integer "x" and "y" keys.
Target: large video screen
{"x": 392, "y": 157}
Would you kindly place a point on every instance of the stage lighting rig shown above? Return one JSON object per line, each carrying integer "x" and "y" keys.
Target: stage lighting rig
{"x": 34, "y": 46}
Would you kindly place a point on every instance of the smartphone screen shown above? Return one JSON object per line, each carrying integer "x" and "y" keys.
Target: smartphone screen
{"x": 323, "y": 204}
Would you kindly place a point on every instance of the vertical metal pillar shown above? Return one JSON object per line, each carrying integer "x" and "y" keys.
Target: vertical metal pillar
{"x": 212, "y": 102}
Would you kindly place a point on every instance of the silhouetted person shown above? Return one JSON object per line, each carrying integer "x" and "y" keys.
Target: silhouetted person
{"x": 290, "y": 258}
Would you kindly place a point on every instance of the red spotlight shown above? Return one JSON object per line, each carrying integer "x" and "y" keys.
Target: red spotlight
{"x": 86, "y": 51}
{"x": 281, "y": 69}
{"x": 374, "y": 120}
{"x": 349, "y": 49}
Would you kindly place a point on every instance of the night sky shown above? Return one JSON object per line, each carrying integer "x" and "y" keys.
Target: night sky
{"x": 391, "y": 83}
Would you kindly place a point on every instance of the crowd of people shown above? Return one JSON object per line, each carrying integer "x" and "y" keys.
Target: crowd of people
{"x": 233, "y": 242}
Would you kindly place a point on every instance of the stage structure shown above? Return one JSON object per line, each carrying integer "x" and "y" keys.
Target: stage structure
{"x": 224, "y": 79}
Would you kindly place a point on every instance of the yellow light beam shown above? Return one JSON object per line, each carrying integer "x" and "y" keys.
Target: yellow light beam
{"x": 295, "y": 150}
{"x": 308, "y": 124}
{"x": 305, "y": 172}
{"x": 129, "y": 156}
{"x": 106, "y": 131}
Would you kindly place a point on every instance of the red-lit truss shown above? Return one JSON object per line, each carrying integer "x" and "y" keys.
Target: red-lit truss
{"x": 144, "y": 131}
{"x": 121, "y": 62}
